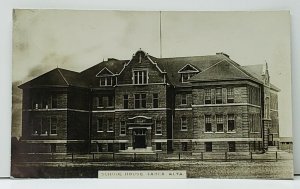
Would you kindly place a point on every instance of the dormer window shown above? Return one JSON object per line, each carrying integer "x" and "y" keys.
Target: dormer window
{"x": 106, "y": 81}
{"x": 106, "y": 77}
{"x": 140, "y": 77}
{"x": 187, "y": 72}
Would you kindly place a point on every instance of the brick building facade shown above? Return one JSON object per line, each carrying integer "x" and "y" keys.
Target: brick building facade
{"x": 148, "y": 104}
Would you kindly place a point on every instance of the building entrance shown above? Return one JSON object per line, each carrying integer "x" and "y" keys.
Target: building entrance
{"x": 139, "y": 138}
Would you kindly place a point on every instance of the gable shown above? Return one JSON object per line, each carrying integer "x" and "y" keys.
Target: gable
{"x": 141, "y": 62}
{"x": 188, "y": 68}
{"x": 104, "y": 72}
{"x": 223, "y": 70}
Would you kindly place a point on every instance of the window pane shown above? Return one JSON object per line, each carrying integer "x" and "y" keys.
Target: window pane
{"x": 108, "y": 79}
{"x": 219, "y": 96}
{"x": 110, "y": 101}
{"x": 183, "y": 99}
{"x": 155, "y": 100}
{"x": 158, "y": 146}
{"x": 208, "y": 146}
{"x": 143, "y": 100}
{"x": 99, "y": 125}
{"x": 136, "y": 77}
{"x": 145, "y": 77}
{"x": 231, "y": 146}
{"x": 137, "y": 100}
{"x": 53, "y": 125}
{"x": 207, "y": 96}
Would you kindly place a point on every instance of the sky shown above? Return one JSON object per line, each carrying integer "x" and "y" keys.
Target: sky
{"x": 76, "y": 40}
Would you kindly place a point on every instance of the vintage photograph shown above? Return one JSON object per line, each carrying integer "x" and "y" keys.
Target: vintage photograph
{"x": 144, "y": 94}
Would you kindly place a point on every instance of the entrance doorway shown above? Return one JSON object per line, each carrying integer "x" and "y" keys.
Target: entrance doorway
{"x": 139, "y": 138}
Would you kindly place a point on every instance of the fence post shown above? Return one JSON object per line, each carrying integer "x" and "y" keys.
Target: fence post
{"x": 202, "y": 156}
{"x": 134, "y": 157}
{"x": 113, "y": 156}
{"x": 226, "y": 156}
{"x": 93, "y": 156}
{"x": 72, "y": 156}
{"x": 276, "y": 156}
{"x": 156, "y": 156}
{"x": 179, "y": 156}
{"x": 52, "y": 156}
{"x": 251, "y": 156}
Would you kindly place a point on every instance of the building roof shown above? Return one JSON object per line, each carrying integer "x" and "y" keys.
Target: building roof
{"x": 57, "y": 77}
{"x": 210, "y": 67}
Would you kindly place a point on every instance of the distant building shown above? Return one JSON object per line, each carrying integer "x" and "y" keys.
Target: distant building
{"x": 149, "y": 104}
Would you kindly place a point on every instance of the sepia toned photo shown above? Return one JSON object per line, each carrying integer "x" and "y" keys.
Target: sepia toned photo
{"x": 157, "y": 94}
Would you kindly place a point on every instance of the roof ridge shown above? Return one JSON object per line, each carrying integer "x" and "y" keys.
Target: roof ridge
{"x": 58, "y": 69}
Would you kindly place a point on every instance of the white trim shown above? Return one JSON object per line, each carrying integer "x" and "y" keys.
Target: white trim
{"x": 53, "y": 141}
{"x": 140, "y": 117}
{"x": 55, "y": 109}
{"x": 273, "y": 110}
{"x": 228, "y": 104}
{"x": 159, "y": 140}
{"x": 109, "y": 141}
{"x": 105, "y": 68}
{"x": 195, "y": 69}
{"x": 103, "y": 111}
{"x": 181, "y": 123}
{"x": 227, "y": 139}
{"x": 121, "y": 128}
{"x": 141, "y": 84}
{"x": 186, "y": 102}
{"x": 182, "y": 109}
{"x": 208, "y": 132}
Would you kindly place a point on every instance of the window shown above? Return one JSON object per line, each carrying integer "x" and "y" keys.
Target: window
{"x": 231, "y": 146}
{"x": 184, "y": 126}
{"x": 184, "y": 146}
{"x": 208, "y": 123}
{"x": 125, "y": 101}
{"x": 158, "y": 127}
{"x": 158, "y": 146}
{"x": 122, "y": 128}
{"x": 230, "y": 95}
{"x": 140, "y": 77}
{"x": 140, "y": 100}
{"x": 53, "y": 129}
{"x": 110, "y": 101}
{"x": 110, "y": 147}
{"x": 99, "y": 147}
{"x": 155, "y": 100}
{"x": 54, "y": 101}
{"x": 186, "y": 76}
{"x": 207, "y": 98}
{"x": 53, "y": 148}
{"x": 231, "y": 126}
{"x": 183, "y": 99}
{"x": 100, "y": 101}
{"x": 208, "y": 146}
{"x": 110, "y": 127}
{"x": 106, "y": 81}
{"x": 45, "y": 102}
{"x": 122, "y": 146}
{"x": 36, "y": 126}
{"x": 254, "y": 122}
{"x": 218, "y": 95}
{"x": 220, "y": 124}
{"x": 99, "y": 125}
{"x": 45, "y": 126}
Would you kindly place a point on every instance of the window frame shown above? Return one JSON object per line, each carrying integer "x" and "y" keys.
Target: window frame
{"x": 231, "y": 117}
{"x": 207, "y": 96}
{"x": 126, "y": 101}
{"x": 141, "y": 101}
{"x": 208, "y": 146}
{"x": 208, "y": 123}
{"x": 51, "y": 125}
{"x": 231, "y": 146}
{"x": 155, "y": 100}
{"x": 160, "y": 146}
{"x": 230, "y": 95}
{"x": 183, "y": 97}
{"x": 140, "y": 77}
{"x": 182, "y": 123}
{"x": 100, "y": 120}
{"x": 158, "y": 122}
{"x": 110, "y": 125}
{"x": 122, "y": 126}
{"x": 219, "y": 122}
{"x": 105, "y": 80}
{"x": 219, "y": 95}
